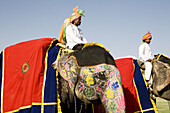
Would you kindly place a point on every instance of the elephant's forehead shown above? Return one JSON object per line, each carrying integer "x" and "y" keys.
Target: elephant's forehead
{"x": 99, "y": 67}
{"x": 102, "y": 68}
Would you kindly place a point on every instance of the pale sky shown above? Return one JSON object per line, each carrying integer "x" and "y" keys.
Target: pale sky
{"x": 117, "y": 24}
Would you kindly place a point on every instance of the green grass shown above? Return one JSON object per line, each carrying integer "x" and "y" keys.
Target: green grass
{"x": 162, "y": 105}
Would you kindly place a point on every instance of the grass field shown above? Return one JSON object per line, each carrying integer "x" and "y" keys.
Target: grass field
{"x": 162, "y": 105}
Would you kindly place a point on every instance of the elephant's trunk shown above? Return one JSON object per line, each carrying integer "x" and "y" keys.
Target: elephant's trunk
{"x": 112, "y": 97}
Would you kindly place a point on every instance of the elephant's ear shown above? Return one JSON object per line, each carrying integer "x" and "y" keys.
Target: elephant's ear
{"x": 69, "y": 71}
{"x": 162, "y": 72}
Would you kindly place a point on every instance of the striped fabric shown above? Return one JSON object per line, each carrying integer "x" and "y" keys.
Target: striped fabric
{"x": 147, "y": 36}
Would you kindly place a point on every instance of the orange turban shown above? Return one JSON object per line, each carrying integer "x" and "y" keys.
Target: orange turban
{"x": 77, "y": 14}
{"x": 147, "y": 36}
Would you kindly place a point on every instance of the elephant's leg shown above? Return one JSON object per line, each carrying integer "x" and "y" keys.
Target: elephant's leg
{"x": 69, "y": 102}
{"x": 66, "y": 97}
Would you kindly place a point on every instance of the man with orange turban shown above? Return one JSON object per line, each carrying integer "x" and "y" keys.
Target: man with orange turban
{"x": 145, "y": 55}
{"x": 74, "y": 34}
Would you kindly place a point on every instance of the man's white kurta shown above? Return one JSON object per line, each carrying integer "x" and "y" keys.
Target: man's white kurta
{"x": 74, "y": 36}
{"x": 144, "y": 55}
{"x": 145, "y": 52}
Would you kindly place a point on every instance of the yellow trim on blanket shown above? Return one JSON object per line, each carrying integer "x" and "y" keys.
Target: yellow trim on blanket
{"x": 2, "y": 86}
{"x": 142, "y": 111}
{"x": 45, "y": 71}
{"x": 58, "y": 95}
{"x": 153, "y": 103}
{"x": 53, "y": 103}
{"x": 24, "y": 107}
{"x": 136, "y": 89}
{"x": 154, "y": 106}
{"x": 29, "y": 106}
{"x": 96, "y": 44}
{"x": 162, "y": 55}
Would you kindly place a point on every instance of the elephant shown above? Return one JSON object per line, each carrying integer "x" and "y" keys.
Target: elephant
{"x": 83, "y": 76}
{"x": 160, "y": 76}
{"x": 90, "y": 75}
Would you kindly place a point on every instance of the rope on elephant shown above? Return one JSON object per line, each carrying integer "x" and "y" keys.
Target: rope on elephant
{"x": 64, "y": 47}
{"x": 95, "y": 44}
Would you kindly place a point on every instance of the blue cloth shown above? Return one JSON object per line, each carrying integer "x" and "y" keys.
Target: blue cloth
{"x": 146, "y": 105}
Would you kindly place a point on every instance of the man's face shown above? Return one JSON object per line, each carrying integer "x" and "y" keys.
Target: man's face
{"x": 148, "y": 40}
{"x": 77, "y": 22}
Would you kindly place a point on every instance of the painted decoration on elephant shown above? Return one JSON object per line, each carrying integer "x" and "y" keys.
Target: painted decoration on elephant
{"x": 69, "y": 71}
{"x": 102, "y": 81}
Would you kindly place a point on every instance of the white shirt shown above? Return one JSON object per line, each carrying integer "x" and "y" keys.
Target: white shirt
{"x": 74, "y": 36}
{"x": 145, "y": 52}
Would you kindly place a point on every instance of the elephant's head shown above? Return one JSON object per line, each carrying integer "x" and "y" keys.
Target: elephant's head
{"x": 161, "y": 79}
{"x": 92, "y": 74}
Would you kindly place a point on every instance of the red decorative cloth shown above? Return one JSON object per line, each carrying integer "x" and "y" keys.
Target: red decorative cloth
{"x": 23, "y": 76}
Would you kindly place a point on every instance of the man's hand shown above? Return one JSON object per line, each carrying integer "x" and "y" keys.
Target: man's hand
{"x": 149, "y": 60}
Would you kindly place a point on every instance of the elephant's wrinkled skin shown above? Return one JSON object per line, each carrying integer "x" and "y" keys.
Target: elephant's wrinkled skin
{"x": 161, "y": 79}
